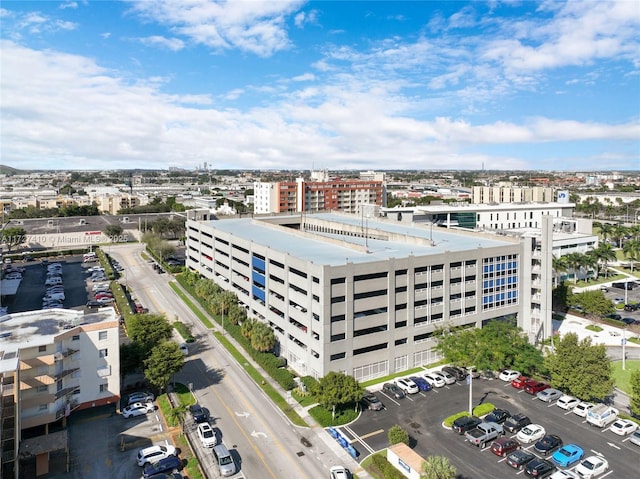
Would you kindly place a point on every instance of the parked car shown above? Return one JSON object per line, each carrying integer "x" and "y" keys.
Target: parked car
{"x": 520, "y": 382}
{"x": 142, "y": 396}
{"x": 549, "y": 395}
{"x": 435, "y": 380}
{"x": 151, "y": 454}
{"x": 592, "y": 466}
{"x": 104, "y": 300}
{"x": 407, "y": 385}
{"x": 509, "y": 375}
{"x": 583, "y": 408}
{"x": 421, "y": 382}
{"x": 622, "y": 427}
{"x": 103, "y": 294}
{"x": 614, "y": 316}
{"x": 498, "y": 416}
{"x": 564, "y": 475}
{"x": 567, "y": 455}
{"x": 539, "y": 468}
{"x": 168, "y": 464}
{"x": 629, "y": 321}
{"x": 184, "y": 349}
{"x": 520, "y": 458}
{"x": 465, "y": 423}
{"x": 198, "y": 413}
{"x": 138, "y": 409}
{"x": 456, "y": 372}
{"x": 339, "y": 472}
{"x": 393, "y": 390}
{"x": 516, "y": 422}
{"x": 207, "y": 435}
{"x": 448, "y": 378}
{"x": 548, "y": 444}
{"x": 631, "y": 307}
{"x": 535, "y": 387}
{"x": 504, "y": 445}
{"x": 94, "y": 304}
{"x": 483, "y": 433}
{"x": 530, "y": 433}
{"x": 567, "y": 402}
{"x": 372, "y": 403}
{"x": 635, "y": 438}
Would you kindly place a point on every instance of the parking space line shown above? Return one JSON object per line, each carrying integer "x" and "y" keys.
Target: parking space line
{"x": 568, "y": 412}
{"x": 606, "y": 474}
{"x": 373, "y": 433}
{"x": 392, "y": 400}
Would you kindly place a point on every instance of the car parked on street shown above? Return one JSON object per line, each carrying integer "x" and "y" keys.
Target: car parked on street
{"x": 393, "y": 390}
{"x": 198, "y": 413}
{"x": 567, "y": 455}
{"x": 207, "y": 435}
{"x": 339, "y": 472}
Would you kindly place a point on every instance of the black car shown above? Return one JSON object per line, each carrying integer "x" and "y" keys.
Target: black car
{"x": 94, "y": 304}
{"x": 371, "y": 402}
{"x": 457, "y": 373}
{"x": 465, "y": 423}
{"x": 198, "y": 413}
{"x": 614, "y": 316}
{"x": 548, "y": 444}
{"x": 520, "y": 458}
{"x": 539, "y": 468}
{"x": 498, "y": 416}
{"x": 628, "y": 321}
{"x": 168, "y": 464}
{"x": 516, "y": 422}
{"x": 631, "y": 307}
{"x": 393, "y": 390}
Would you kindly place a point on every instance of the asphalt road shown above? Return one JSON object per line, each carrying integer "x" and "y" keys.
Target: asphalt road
{"x": 256, "y": 432}
{"x": 422, "y": 415}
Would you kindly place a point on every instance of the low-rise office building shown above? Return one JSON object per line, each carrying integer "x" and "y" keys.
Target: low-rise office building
{"x": 367, "y": 297}
{"x": 53, "y": 362}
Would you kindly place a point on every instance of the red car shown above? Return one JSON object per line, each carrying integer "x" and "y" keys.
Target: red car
{"x": 504, "y": 445}
{"x": 103, "y": 295}
{"x": 535, "y": 387}
{"x": 520, "y": 382}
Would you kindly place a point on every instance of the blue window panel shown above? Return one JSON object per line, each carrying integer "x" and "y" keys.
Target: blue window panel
{"x": 485, "y": 299}
{"x": 258, "y": 278}
{"x": 258, "y": 293}
{"x": 258, "y": 263}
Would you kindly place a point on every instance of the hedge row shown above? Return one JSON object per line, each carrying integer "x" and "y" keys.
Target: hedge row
{"x": 273, "y": 365}
{"x": 161, "y": 262}
{"x": 184, "y": 331}
{"x": 386, "y": 468}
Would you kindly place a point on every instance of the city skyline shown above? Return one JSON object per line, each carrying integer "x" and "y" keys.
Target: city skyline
{"x": 320, "y": 85}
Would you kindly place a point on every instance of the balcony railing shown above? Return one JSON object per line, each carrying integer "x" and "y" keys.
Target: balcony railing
{"x": 66, "y": 391}
{"x": 60, "y": 355}
{"x": 65, "y": 373}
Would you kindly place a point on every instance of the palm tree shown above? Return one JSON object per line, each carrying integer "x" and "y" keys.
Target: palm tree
{"x": 606, "y": 229}
{"x": 605, "y": 254}
{"x": 438, "y": 467}
{"x": 589, "y": 262}
{"x": 177, "y": 415}
{"x": 574, "y": 262}
{"x": 558, "y": 265}
{"x": 619, "y": 232}
{"x": 631, "y": 250}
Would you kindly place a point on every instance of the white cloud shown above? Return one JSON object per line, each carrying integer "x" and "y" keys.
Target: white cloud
{"x": 72, "y": 5}
{"x": 173, "y": 44}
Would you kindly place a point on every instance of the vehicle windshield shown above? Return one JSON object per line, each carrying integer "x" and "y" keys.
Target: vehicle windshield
{"x": 225, "y": 460}
{"x": 588, "y": 465}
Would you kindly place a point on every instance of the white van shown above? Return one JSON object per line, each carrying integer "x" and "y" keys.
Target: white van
{"x": 602, "y": 415}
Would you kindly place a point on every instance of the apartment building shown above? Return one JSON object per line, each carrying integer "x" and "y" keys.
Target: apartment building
{"x": 367, "y": 298}
{"x": 321, "y": 193}
{"x": 52, "y": 362}
{"x": 512, "y": 194}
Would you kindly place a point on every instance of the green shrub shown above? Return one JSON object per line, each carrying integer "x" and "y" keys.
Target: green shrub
{"x": 184, "y": 331}
{"x": 449, "y": 421}
{"x": 593, "y": 327}
{"x": 344, "y": 415}
{"x": 483, "y": 409}
{"x": 386, "y": 468}
{"x": 397, "y": 435}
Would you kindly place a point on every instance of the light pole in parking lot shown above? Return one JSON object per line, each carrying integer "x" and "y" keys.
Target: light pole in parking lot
{"x": 470, "y": 381}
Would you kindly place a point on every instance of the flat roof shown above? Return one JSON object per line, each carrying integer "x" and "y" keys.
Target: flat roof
{"x": 331, "y": 254}
{"x": 39, "y": 327}
{"x": 488, "y": 207}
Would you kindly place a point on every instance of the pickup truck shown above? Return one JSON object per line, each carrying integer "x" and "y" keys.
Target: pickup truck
{"x": 483, "y": 433}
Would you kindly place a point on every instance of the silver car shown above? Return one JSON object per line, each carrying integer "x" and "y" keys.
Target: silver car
{"x": 549, "y": 395}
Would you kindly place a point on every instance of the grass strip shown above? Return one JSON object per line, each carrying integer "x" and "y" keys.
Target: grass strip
{"x": 201, "y": 316}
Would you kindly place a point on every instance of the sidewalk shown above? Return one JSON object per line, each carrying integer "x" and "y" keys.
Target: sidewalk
{"x": 321, "y": 433}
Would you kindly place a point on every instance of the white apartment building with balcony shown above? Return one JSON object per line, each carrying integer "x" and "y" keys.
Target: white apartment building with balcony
{"x": 53, "y": 362}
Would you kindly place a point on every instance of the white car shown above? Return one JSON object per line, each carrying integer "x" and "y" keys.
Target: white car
{"x": 434, "y": 379}
{"x": 564, "y": 475}
{"x": 407, "y": 385}
{"x": 138, "y": 409}
{"x": 582, "y": 409}
{"x": 622, "y": 427}
{"x": 592, "y": 466}
{"x": 140, "y": 397}
{"x": 567, "y": 402}
{"x": 339, "y": 472}
{"x": 448, "y": 378}
{"x": 509, "y": 375}
{"x": 207, "y": 435}
{"x": 153, "y": 454}
{"x": 530, "y": 433}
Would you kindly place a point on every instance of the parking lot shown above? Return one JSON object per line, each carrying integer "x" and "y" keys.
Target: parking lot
{"x": 422, "y": 415}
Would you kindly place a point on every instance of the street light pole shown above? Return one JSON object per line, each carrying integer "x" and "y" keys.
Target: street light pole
{"x": 471, "y": 390}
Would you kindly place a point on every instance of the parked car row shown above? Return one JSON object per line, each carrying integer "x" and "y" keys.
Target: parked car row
{"x": 54, "y": 293}
{"x": 209, "y": 439}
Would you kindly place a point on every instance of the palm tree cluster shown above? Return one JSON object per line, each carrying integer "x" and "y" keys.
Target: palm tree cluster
{"x": 581, "y": 264}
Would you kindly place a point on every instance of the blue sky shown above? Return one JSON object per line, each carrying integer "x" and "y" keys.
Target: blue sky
{"x": 338, "y": 85}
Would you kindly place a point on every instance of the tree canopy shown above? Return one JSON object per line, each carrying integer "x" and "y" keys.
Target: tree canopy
{"x": 635, "y": 393}
{"x": 592, "y": 302}
{"x": 498, "y": 345}
{"x": 438, "y": 467}
{"x": 337, "y": 389}
{"x": 14, "y": 236}
{"x": 148, "y": 330}
{"x": 165, "y": 360}
{"x": 580, "y": 368}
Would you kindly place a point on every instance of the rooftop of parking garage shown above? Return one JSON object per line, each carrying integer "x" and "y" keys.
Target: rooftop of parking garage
{"x": 378, "y": 239}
